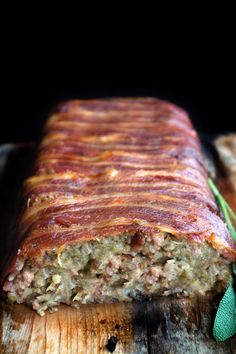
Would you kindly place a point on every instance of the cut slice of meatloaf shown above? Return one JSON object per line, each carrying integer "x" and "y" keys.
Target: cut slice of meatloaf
{"x": 117, "y": 208}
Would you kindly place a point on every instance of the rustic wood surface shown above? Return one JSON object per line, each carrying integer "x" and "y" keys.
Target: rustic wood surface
{"x": 164, "y": 325}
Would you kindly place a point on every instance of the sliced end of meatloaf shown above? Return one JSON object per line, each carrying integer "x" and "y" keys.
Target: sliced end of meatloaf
{"x": 117, "y": 268}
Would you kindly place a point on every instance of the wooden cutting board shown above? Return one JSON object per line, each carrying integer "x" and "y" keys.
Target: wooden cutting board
{"x": 164, "y": 325}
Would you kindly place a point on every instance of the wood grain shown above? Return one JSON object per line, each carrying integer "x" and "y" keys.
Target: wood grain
{"x": 164, "y": 325}
{"x": 86, "y": 330}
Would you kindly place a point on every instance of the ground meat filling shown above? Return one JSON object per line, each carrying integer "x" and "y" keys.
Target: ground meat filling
{"x": 118, "y": 268}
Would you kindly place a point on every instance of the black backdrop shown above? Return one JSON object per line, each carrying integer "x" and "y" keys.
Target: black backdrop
{"x": 186, "y": 55}
{"x": 203, "y": 86}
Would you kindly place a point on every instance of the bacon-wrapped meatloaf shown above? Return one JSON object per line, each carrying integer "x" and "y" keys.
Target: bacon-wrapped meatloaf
{"x": 117, "y": 208}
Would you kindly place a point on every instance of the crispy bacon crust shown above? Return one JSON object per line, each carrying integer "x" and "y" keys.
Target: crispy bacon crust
{"x": 111, "y": 166}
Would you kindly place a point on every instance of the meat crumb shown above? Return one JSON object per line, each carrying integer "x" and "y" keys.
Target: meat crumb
{"x": 137, "y": 240}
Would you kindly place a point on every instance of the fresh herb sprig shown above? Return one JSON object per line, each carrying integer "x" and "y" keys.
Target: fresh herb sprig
{"x": 225, "y": 208}
{"x": 225, "y": 320}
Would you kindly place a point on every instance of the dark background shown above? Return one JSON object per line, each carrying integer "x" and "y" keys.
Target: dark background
{"x": 201, "y": 80}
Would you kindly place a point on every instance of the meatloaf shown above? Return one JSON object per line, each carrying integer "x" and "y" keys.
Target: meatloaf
{"x": 117, "y": 208}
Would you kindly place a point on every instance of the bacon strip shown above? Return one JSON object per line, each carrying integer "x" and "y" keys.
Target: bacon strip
{"x": 111, "y": 166}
